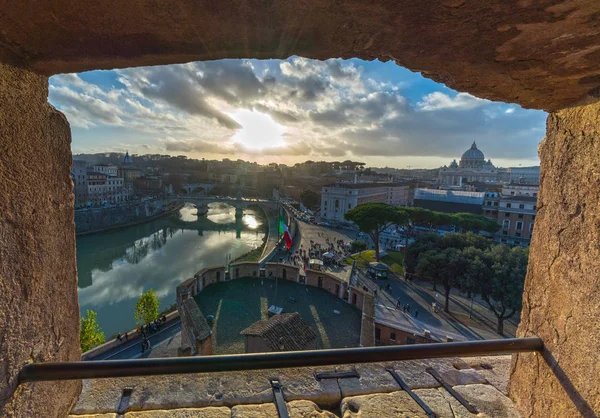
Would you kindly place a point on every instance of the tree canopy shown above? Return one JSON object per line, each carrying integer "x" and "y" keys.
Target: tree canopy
{"x": 90, "y": 333}
{"x": 146, "y": 309}
{"x": 373, "y": 218}
{"x": 310, "y": 198}
{"x": 474, "y": 264}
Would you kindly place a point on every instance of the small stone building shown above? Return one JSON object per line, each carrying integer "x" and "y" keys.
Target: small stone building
{"x": 285, "y": 332}
{"x": 196, "y": 334}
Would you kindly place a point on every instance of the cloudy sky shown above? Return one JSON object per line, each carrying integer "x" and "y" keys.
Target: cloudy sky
{"x": 290, "y": 111}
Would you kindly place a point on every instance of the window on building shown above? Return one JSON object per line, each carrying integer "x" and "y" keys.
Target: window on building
{"x": 534, "y": 207}
{"x": 337, "y": 204}
{"x": 349, "y": 205}
{"x": 512, "y": 193}
{"x": 521, "y": 206}
{"x": 516, "y": 242}
{"x": 393, "y": 336}
{"x": 519, "y": 226}
{"x": 506, "y": 224}
{"x": 378, "y": 334}
{"x": 508, "y": 205}
{"x": 410, "y": 340}
{"x": 495, "y": 203}
{"x": 489, "y": 203}
{"x": 535, "y": 195}
{"x": 349, "y": 191}
{"x": 531, "y": 227}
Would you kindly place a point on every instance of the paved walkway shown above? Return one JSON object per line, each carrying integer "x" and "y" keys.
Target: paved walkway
{"x": 132, "y": 348}
{"x": 420, "y": 296}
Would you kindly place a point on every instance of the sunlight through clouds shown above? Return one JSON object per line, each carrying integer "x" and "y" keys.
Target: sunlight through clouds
{"x": 290, "y": 110}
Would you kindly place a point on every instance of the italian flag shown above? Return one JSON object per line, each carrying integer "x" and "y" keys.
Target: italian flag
{"x": 283, "y": 229}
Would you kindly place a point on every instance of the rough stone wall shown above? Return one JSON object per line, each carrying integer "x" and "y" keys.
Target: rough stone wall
{"x": 561, "y": 303}
{"x": 541, "y": 54}
{"x": 39, "y": 311}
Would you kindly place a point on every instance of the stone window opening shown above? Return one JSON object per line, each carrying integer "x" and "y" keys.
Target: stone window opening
{"x": 577, "y": 84}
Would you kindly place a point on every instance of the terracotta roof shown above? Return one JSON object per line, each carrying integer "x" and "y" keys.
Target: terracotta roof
{"x": 285, "y": 332}
{"x": 192, "y": 318}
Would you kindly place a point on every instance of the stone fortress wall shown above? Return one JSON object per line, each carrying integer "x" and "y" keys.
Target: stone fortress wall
{"x": 355, "y": 295}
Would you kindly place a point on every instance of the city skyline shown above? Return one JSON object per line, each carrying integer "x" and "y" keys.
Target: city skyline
{"x": 289, "y": 111}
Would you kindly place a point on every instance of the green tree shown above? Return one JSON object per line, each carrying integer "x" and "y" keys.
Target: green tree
{"x": 446, "y": 267}
{"x": 310, "y": 198}
{"x": 502, "y": 290}
{"x": 358, "y": 246}
{"x": 477, "y": 272}
{"x": 430, "y": 241}
{"x": 90, "y": 333}
{"x": 472, "y": 222}
{"x": 373, "y": 218}
{"x": 146, "y": 309}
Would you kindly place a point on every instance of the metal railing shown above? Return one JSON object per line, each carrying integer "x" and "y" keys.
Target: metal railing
{"x": 182, "y": 365}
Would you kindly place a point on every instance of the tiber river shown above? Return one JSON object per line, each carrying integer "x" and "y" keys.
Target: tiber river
{"x": 115, "y": 268}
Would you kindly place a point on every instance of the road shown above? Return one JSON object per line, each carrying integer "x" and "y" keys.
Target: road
{"x": 132, "y": 349}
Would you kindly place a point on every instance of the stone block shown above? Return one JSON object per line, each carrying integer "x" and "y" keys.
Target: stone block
{"x": 414, "y": 373}
{"x": 210, "y": 412}
{"x": 176, "y": 391}
{"x": 99, "y": 396}
{"x": 307, "y": 409}
{"x": 267, "y": 410}
{"x": 389, "y": 405}
{"x": 300, "y": 384}
{"x": 111, "y": 415}
{"x": 463, "y": 377}
{"x": 488, "y": 400}
{"x": 373, "y": 378}
{"x": 495, "y": 369}
{"x": 443, "y": 404}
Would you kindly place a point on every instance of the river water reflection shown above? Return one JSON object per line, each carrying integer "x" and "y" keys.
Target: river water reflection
{"x": 115, "y": 268}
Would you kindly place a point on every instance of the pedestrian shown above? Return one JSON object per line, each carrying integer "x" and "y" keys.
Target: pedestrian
{"x": 119, "y": 337}
{"x": 416, "y": 313}
{"x": 398, "y": 303}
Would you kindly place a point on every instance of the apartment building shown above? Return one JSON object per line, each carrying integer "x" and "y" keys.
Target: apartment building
{"x": 339, "y": 198}
{"x": 515, "y": 208}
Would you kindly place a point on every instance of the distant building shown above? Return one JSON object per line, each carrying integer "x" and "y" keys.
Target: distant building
{"x": 108, "y": 169}
{"x": 284, "y": 332}
{"x": 515, "y": 209}
{"x": 80, "y": 182}
{"x": 103, "y": 188}
{"x": 449, "y": 201}
{"x": 472, "y": 168}
{"x": 129, "y": 172}
{"x": 339, "y": 198}
{"x": 524, "y": 175}
{"x": 149, "y": 184}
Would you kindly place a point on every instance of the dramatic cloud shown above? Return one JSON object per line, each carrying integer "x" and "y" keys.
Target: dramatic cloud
{"x": 329, "y": 109}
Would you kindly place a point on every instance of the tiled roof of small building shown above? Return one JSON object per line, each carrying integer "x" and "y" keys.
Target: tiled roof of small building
{"x": 285, "y": 332}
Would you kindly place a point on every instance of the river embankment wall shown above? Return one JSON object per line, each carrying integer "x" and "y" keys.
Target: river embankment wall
{"x": 94, "y": 220}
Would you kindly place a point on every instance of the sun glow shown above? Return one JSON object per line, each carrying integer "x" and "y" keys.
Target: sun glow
{"x": 259, "y": 131}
